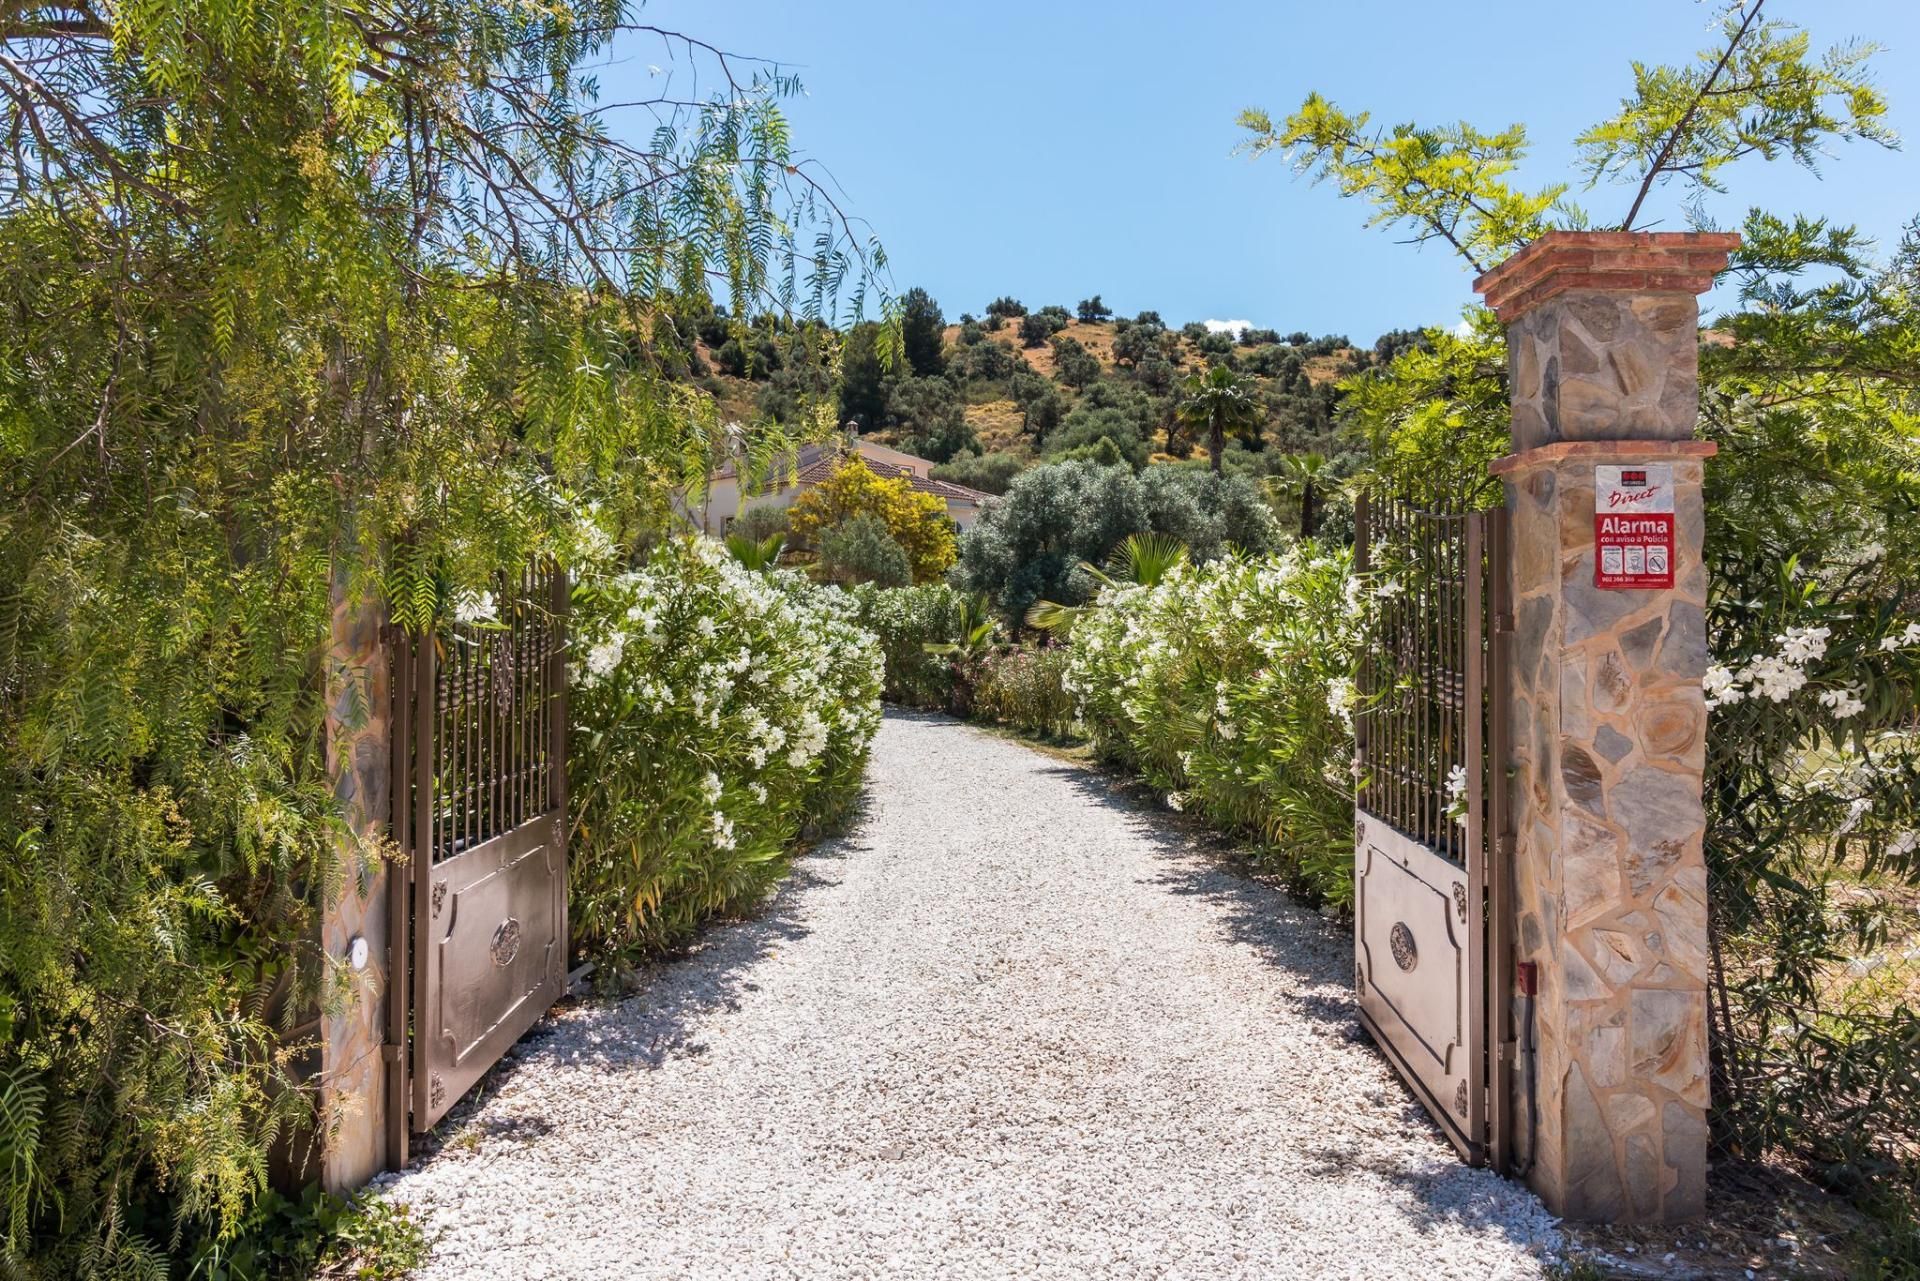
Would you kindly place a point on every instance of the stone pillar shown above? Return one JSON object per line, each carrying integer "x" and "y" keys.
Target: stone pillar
{"x": 1608, "y": 717}
{"x": 352, "y": 1032}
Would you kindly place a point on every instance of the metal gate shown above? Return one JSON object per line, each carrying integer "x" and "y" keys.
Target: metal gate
{"x": 1432, "y": 953}
{"x": 479, "y": 809}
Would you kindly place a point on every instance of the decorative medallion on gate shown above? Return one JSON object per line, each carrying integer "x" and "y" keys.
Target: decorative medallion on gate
{"x": 436, "y": 1091}
{"x": 506, "y": 942}
{"x": 1460, "y": 901}
{"x": 1460, "y": 1100}
{"x": 439, "y": 896}
{"x": 1405, "y": 954}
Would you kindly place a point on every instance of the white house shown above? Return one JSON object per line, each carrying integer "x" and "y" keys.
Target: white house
{"x": 798, "y": 472}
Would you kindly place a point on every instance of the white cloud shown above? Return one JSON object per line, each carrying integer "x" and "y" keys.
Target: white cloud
{"x": 1234, "y": 327}
{"x": 1464, "y": 329}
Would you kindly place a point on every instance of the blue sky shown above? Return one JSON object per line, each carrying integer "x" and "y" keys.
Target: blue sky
{"x": 1052, "y": 151}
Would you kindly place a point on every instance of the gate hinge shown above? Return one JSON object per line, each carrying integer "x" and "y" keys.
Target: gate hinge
{"x": 1503, "y": 623}
{"x": 390, "y": 1053}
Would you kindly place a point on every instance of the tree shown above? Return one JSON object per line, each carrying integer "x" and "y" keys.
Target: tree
{"x": 861, "y": 549}
{"x": 1217, "y": 402}
{"x": 932, "y": 418}
{"x": 1035, "y": 330}
{"x": 1306, "y": 475}
{"x": 300, "y": 300}
{"x": 1141, "y": 341}
{"x": 922, "y": 333}
{"x": 916, "y": 521}
{"x": 1758, "y": 93}
{"x": 1027, "y": 545}
{"x": 1004, "y": 309}
{"x": 863, "y": 378}
{"x": 1073, "y": 364}
{"x": 1092, "y": 311}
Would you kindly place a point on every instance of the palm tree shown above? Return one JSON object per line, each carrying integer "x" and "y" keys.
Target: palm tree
{"x": 1143, "y": 560}
{"x": 1220, "y": 402}
{"x": 764, "y": 554}
{"x": 1307, "y": 475}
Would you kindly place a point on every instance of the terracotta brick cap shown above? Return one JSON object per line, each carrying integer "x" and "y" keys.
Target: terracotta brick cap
{"x": 1611, "y": 261}
{"x": 1623, "y": 451}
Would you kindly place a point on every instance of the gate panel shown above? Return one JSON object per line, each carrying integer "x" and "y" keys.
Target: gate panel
{"x": 487, "y": 838}
{"x": 1424, "y": 899}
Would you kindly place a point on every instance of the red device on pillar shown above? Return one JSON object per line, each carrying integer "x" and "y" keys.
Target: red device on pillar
{"x": 1633, "y": 525}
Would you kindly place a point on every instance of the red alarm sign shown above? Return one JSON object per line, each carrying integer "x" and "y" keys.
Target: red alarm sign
{"x": 1633, "y": 526}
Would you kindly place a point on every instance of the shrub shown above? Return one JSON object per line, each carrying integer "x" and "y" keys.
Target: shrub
{"x": 1035, "y": 330}
{"x": 860, "y": 550}
{"x": 1228, "y": 685}
{"x": 1023, "y": 687}
{"x": 905, "y": 621}
{"x": 1092, "y": 311}
{"x": 918, "y": 522}
{"x": 1004, "y": 308}
{"x": 760, "y": 522}
{"x": 717, "y": 714}
{"x": 989, "y": 473}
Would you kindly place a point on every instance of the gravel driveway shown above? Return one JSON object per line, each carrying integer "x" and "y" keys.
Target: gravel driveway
{"x": 1014, "y": 1025}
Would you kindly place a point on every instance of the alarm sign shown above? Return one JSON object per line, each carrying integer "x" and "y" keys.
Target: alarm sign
{"x": 1633, "y": 526}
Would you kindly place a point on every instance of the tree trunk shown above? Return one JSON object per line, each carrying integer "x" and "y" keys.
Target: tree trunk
{"x": 1306, "y": 510}
{"x": 1217, "y": 445}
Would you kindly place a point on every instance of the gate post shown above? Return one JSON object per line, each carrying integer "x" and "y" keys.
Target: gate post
{"x": 354, "y": 929}
{"x": 1608, "y": 720}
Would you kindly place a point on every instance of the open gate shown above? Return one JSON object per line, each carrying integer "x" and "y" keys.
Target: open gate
{"x": 1431, "y": 916}
{"x": 480, "y": 811}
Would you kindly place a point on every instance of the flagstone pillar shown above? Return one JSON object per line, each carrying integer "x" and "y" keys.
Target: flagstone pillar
{"x": 1608, "y": 717}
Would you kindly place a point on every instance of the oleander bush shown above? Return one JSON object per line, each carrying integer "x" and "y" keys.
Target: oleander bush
{"x": 905, "y": 620}
{"x": 1024, "y": 688}
{"x": 1228, "y": 686}
{"x": 717, "y": 715}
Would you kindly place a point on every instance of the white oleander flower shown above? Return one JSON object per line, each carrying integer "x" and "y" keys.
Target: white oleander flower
{"x": 1175, "y": 802}
{"x": 475, "y": 609}
{"x": 1721, "y": 686}
{"x": 604, "y": 657}
{"x": 722, "y": 831}
{"x": 1804, "y": 644}
{"x": 1843, "y": 703}
{"x": 1775, "y": 679}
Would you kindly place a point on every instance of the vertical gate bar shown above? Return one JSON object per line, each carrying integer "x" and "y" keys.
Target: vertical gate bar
{"x": 1500, "y": 847}
{"x": 1362, "y": 728}
{"x": 1472, "y": 640}
{"x": 516, "y": 672}
{"x": 428, "y": 708}
{"x": 1398, "y": 658}
{"x": 561, "y": 602}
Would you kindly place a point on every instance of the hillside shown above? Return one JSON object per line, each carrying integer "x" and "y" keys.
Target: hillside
{"x": 989, "y": 396}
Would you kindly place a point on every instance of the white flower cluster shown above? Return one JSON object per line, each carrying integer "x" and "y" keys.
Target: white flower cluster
{"x": 1224, "y": 677}
{"x": 1907, "y": 639}
{"x": 751, "y": 679}
{"x": 1773, "y": 677}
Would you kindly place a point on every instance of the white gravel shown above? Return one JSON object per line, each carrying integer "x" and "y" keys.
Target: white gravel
{"x": 1013, "y": 1026}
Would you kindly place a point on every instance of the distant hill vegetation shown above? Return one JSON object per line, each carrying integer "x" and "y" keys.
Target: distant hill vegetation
{"x": 989, "y": 395}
